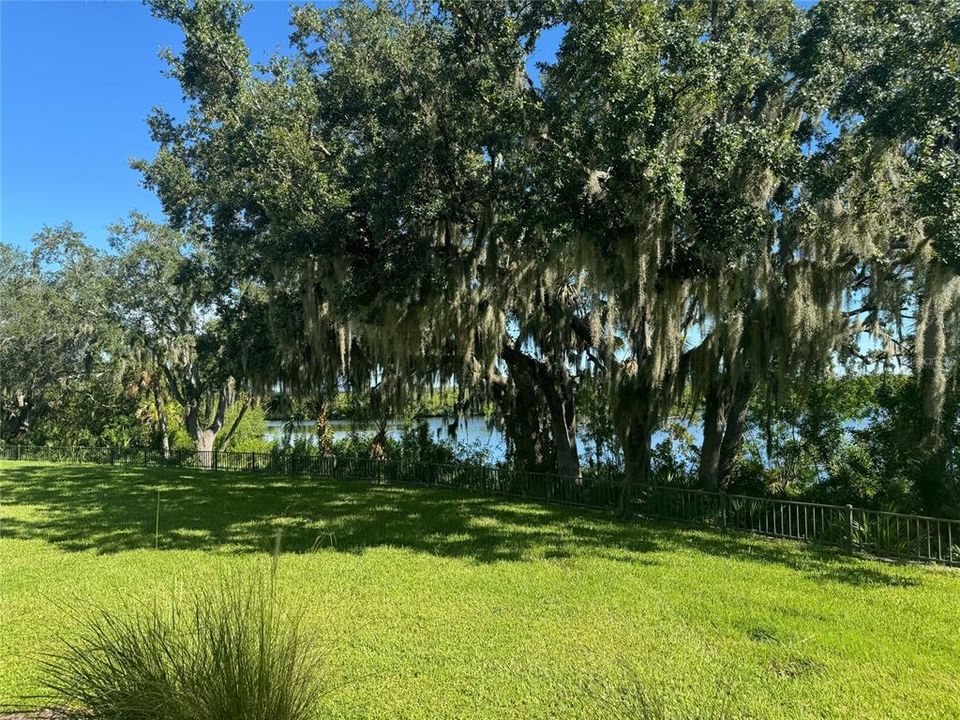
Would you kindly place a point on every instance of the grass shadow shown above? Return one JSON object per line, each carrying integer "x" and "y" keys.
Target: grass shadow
{"x": 108, "y": 510}
{"x": 111, "y": 509}
{"x": 823, "y": 563}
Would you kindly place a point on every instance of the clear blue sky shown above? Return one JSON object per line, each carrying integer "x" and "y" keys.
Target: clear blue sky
{"x": 78, "y": 80}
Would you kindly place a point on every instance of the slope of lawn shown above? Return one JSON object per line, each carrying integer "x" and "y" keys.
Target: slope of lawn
{"x": 436, "y": 604}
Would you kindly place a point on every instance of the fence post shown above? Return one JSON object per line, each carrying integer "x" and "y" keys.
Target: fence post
{"x": 144, "y": 457}
{"x": 850, "y": 529}
{"x": 723, "y": 509}
{"x": 18, "y": 452}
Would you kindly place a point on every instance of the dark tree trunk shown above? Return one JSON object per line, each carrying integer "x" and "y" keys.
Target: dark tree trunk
{"x": 713, "y": 437}
{"x": 932, "y": 479}
{"x": 636, "y": 458}
{"x": 558, "y": 390}
{"x": 539, "y": 384}
{"x": 736, "y": 425}
{"x": 522, "y": 410}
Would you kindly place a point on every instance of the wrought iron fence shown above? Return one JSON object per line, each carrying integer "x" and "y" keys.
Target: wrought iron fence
{"x": 874, "y": 532}
{"x": 598, "y": 492}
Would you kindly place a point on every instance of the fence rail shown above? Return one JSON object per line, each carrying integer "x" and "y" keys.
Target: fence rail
{"x": 855, "y": 530}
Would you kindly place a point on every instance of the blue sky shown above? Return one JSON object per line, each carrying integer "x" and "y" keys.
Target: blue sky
{"x": 78, "y": 80}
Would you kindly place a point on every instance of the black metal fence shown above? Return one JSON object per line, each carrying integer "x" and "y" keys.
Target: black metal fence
{"x": 589, "y": 492}
{"x": 873, "y": 532}
{"x": 890, "y": 535}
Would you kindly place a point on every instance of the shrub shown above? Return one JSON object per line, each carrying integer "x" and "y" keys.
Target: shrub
{"x": 249, "y": 435}
{"x": 225, "y": 653}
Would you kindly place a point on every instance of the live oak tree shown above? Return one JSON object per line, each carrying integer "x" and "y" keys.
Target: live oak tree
{"x": 379, "y": 173}
{"x": 677, "y": 139}
{"x": 894, "y": 91}
{"x": 690, "y": 205}
{"x": 398, "y": 169}
{"x": 168, "y": 298}
{"x": 55, "y": 330}
{"x": 727, "y": 231}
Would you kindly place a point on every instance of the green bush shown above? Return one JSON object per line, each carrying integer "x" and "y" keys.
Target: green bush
{"x": 224, "y": 653}
{"x": 249, "y": 435}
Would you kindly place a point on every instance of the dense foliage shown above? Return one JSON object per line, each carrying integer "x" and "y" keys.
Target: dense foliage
{"x": 733, "y": 222}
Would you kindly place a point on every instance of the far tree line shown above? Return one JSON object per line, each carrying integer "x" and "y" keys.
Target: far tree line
{"x": 745, "y": 215}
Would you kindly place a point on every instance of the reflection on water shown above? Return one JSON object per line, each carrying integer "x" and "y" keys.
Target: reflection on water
{"x": 472, "y": 433}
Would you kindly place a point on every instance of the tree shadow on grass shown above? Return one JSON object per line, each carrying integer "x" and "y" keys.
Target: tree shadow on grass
{"x": 109, "y": 509}
{"x": 822, "y": 563}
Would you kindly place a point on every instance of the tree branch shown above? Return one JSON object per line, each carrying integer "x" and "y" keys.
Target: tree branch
{"x": 220, "y": 411}
{"x": 236, "y": 423}
{"x": 172, "y": 383}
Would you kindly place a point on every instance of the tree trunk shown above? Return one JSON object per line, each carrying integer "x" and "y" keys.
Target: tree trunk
{"x": 162, "y": 424}
{"x": 202, "y": 437}
{"x": 552, "y": 384}
{"x": 324, "y": 432}
{"x": 558, "y": 391}
{"x": 932, "y": 384}
{"x": 23, "y": 418}
{"x": 636, "y": 459}
{"x": 736, "y": 425}
{"x": 713, "y": 435}
{"x": 378, "y": 448}
{"x": 204, "y": 443}
{"x": 522, "y": 407}
{"x": 568, "y": 456}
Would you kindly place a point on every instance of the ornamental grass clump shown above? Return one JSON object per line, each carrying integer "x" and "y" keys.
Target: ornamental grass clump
{"x": 227, "y": 652}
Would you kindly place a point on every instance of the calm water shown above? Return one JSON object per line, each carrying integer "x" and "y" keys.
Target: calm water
{"x": 472, "y": 432}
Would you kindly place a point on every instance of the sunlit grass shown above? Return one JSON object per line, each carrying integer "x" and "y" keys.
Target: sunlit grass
{"x": 436, "y": 604}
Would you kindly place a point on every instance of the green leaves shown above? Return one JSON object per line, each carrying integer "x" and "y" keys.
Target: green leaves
{"x": 56, "y": 334}
{"x": 693, "y": 194}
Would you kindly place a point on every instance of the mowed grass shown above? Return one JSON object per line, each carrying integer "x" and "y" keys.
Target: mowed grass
{"x": 438, "y": 604}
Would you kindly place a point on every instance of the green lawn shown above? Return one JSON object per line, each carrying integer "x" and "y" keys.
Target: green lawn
{"x": 436, "y": 604}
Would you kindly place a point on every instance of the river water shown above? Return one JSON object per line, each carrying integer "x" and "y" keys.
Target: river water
{"x": 472, "y": 433}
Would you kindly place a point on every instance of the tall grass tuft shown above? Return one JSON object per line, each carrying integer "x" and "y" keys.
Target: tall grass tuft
{"x": 227, "y": 652}
{"x": 628, "y": 698}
